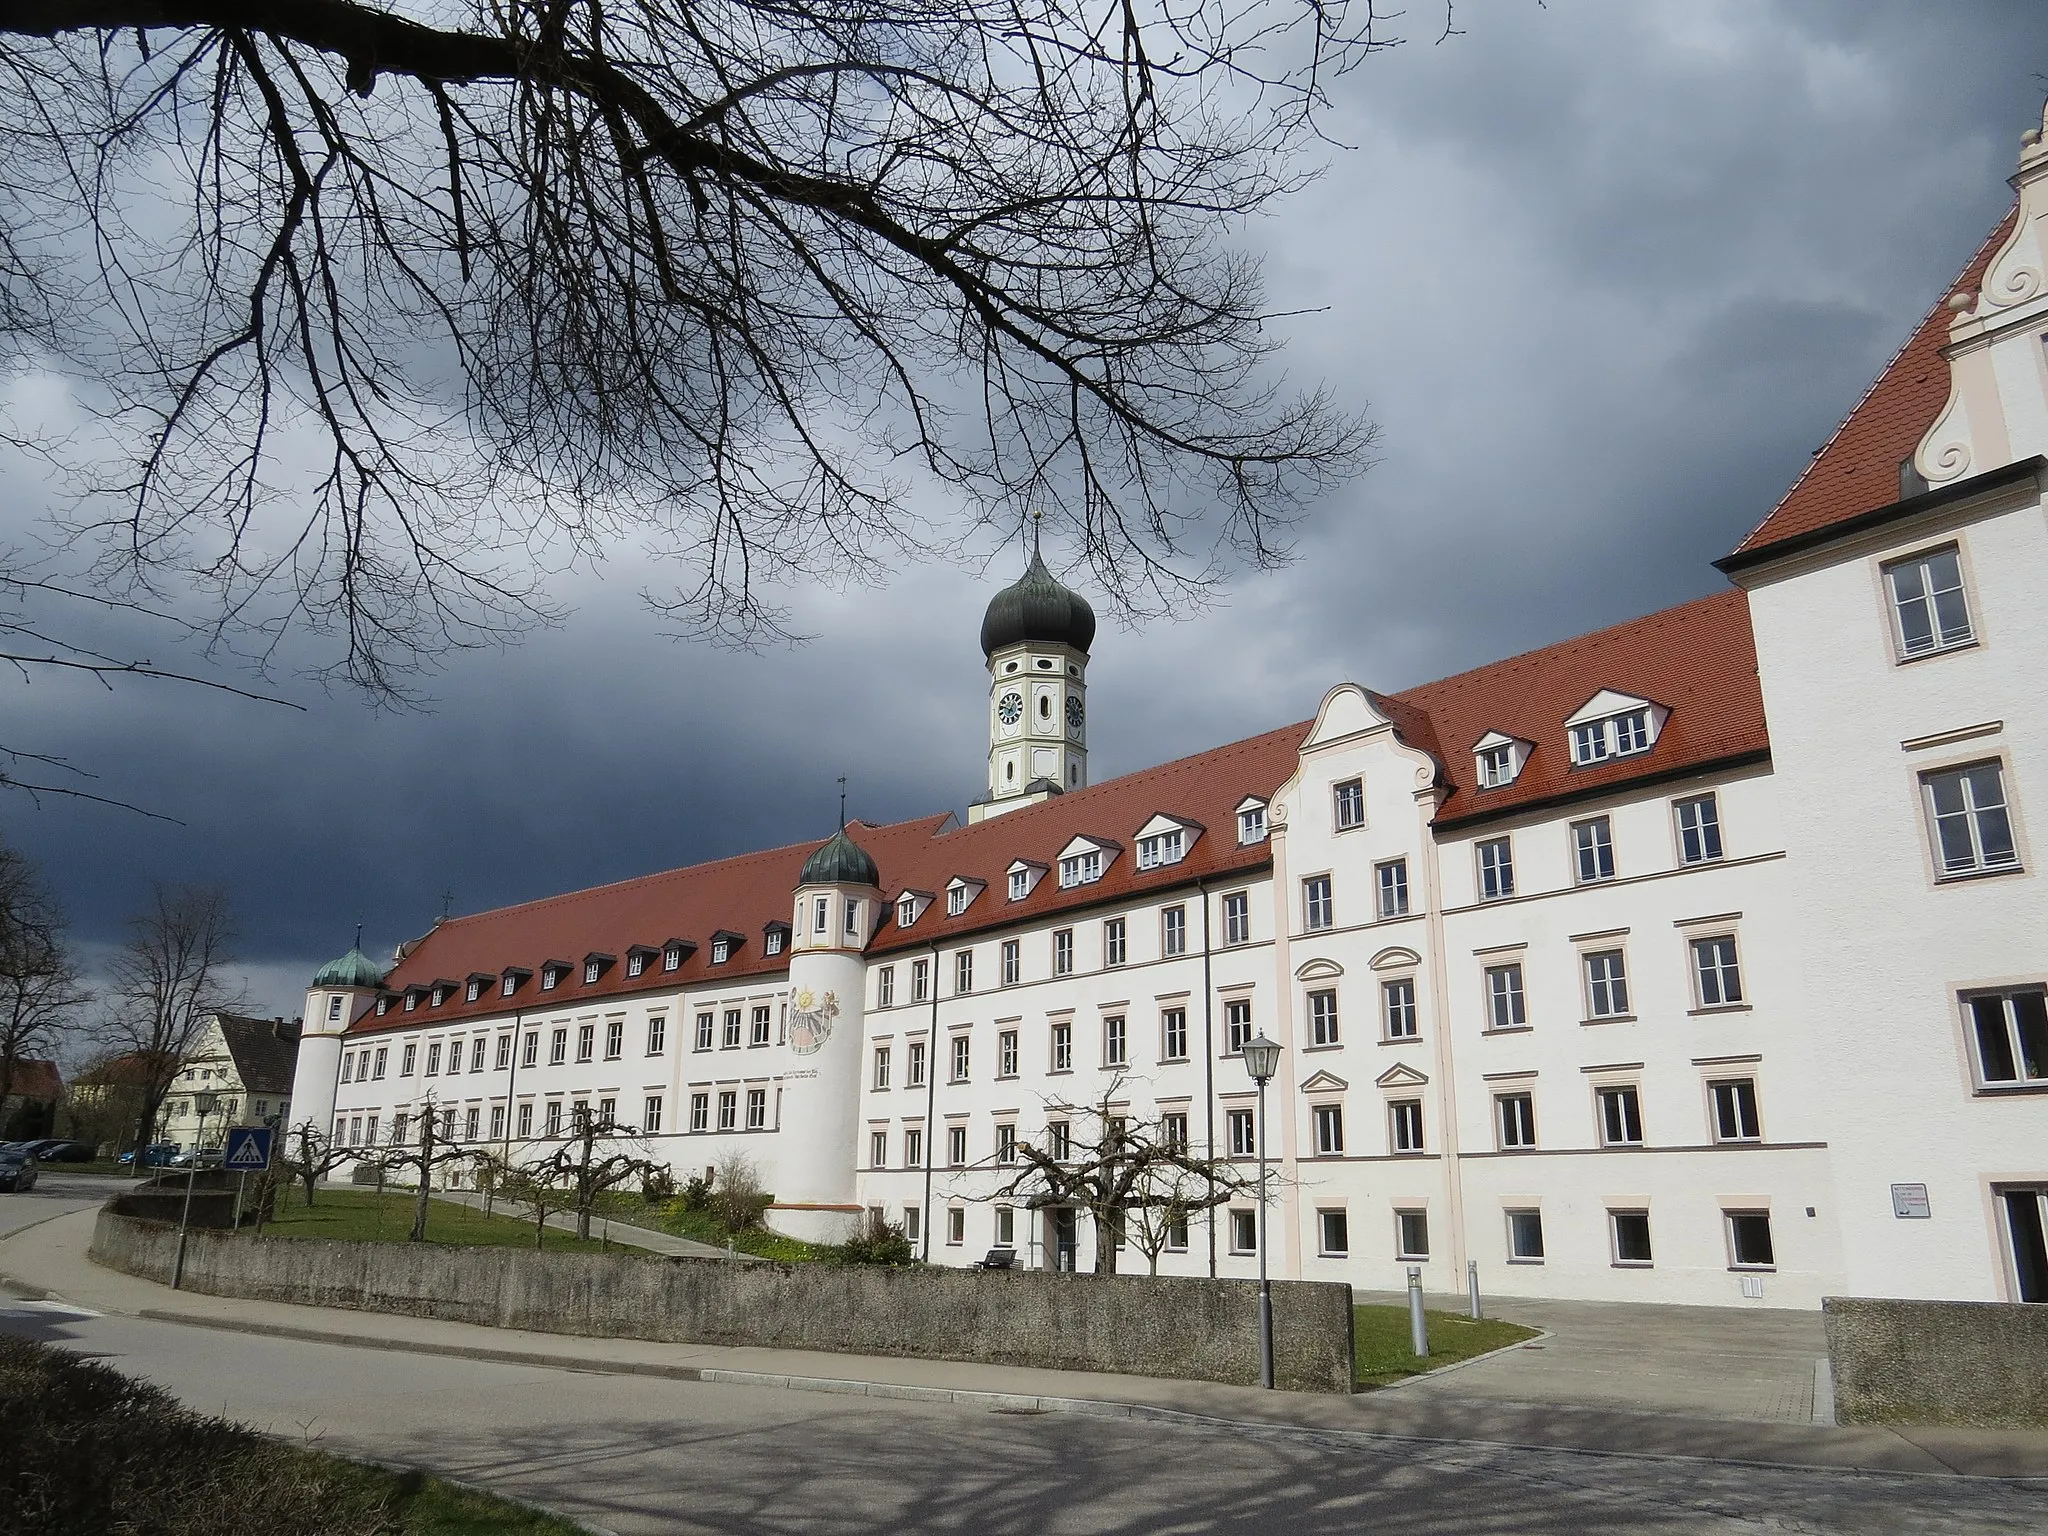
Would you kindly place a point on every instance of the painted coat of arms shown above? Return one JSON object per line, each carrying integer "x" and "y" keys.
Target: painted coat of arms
{"x": 810, "y": 1021}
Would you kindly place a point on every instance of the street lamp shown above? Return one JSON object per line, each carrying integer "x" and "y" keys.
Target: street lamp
{"x": 203, "y": 1102}
{"x": 1262, "y": 1060}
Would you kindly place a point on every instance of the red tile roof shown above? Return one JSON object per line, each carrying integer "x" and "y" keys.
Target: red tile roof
{"x": 1858, "y": 470}
{"x": 37, "y": 1080}
{"x": 1698, "y": 660}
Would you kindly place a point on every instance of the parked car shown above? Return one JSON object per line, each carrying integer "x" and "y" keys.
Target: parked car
{"x": 210, "y": 1158}
{"x": 17, "y": 1170}
{"x": 65, "y": 1152}
{"x": 158, "y": 1156}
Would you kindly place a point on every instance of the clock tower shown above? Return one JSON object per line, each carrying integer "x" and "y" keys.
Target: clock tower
{"x": 1035, "y": 637}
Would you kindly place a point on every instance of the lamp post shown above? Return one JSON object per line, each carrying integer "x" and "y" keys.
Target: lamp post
{"x": 202, "y": 1102}
{"x": 1262, "y": 1060}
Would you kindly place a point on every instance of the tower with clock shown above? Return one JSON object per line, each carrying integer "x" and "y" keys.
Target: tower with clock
{"x": 1035, "y": 636}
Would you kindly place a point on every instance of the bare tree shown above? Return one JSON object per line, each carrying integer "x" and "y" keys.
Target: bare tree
{"x": 431, "y": 1148}
{"x": 595, "y": 1157}
{"x": 165, "y": 981}
{"x": 1128, "y": 1174}
{"x": 736, "y": 282}
{"x": 538, "y": 1187}
{"x": 311, "y": 1155}
{"x": 40, "y": 988}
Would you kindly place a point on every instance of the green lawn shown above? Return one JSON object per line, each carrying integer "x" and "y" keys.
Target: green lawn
{"x": 413, "y": 1504}
{"x": 1383, "y": 1355}
{"x": 361, "y": 1215}
{"x": 758, "y": 1241}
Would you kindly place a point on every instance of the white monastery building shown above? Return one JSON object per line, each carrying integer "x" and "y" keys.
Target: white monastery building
{"x": 1700, "y": 959}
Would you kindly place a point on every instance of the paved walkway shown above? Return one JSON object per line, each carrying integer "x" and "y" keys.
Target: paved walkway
{"x": 623, "y": 1233}
{"x": 51, "y": 1258}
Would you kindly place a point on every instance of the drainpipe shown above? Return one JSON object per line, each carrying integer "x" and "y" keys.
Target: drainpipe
{"x": 512, "y": 1082}
{"x": 931, "y": 1109}
{"x": 1208, "y": 1065}
{"x": 1446, "y": 1046}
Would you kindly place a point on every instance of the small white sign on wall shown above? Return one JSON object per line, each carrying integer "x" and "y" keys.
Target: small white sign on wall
{"x": 1909, "y": 1202}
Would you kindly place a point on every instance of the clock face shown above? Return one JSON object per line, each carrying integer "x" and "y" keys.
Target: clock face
{"x": 1073, "y": 712}
{"x": 1010, "y": 708}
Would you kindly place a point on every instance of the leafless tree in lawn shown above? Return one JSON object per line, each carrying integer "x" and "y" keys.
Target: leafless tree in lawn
{"x": 41, "y": 993}
{"x": 540, "y": 1188}
{"x": 391, "y": 307}
{"x": 310, "y": 1154}
{"x": 596, "y": 1154}
{"x": 1131, "y": 1175}
{"x": 430, "y": 1148}
{"x": 164, "y": 982}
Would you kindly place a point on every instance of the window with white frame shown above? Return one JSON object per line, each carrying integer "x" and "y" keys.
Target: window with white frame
{"x": 657, "y": 1034}
{"x": 2026, "y": 1229}
{"x": 885, "y": 987}
{"x": 1237, "y": 918}
{"x": 1251, "y": 824}
{"x": 636, "y": 963}
{"x": 1011, "y": 962}
{"x": 1715, "y": 971}
{"x": 913, "y": 1146}
{"x": 1525, "y": 1237}
{"x": 1929, "y": 609}
{"x": 962, "y": 1053}
{"x": 878, "y": 1149}
{"x": 473, "y": 991}
{"x": 1242, "y": 1132}
{"x": 913, "y": 1064}
{"x": 963, "y": 971}
{"x": 1006, "y": 1143}
{"x": 1063, "y": 1046}
{"x": 1404, "y": 1122}
{"x": 1735, "y": 1113}
{"x": 1505, "y": 1005}
{"x": 956, "y": 900}
{"x": 1698, "y": 819}
{"x": 1173, "y": 1130}
{"x": 729, "y": 1111}
{"x": 1083, "y": 868}
{"x": 672, "y": 958}
{"x": 383, "y": 1054}
{"x": 910, "y": 1221}
{"x": 956, "y": 1224}
{"x": 1621, "y": 1115}
{"x": 1333, "y": 1234}
{"x": 956, "y": 1146}
{"x": 614, "y": 1042}
{"x": 1059, "y": 1142}
{"x": 1496, "y": 869}
{"x": 1116, "y": 1041}
{"x": 1398, "y": 999}
{"x": 1168, "y": 847}
{"x": 1749, "y": 1240}
{"x": 1244, "y": 1232}
{"x": 729, "y": 1034}
{"x": 586, "y": 1041}
{"x": 1114, "y": 949}
{"x": 1629, "y": 1234}
{"x": 592, "y": 969}
{"x": 1006, "y": 1053}
{"x": 920, "y": 980}
{"x": 1237, "y": 1025}
{"x": 1411, "y": 1234}
{"x": 852, "y": 928}
{"x": 704, "y": 1026}
{"x": 1514, "y": 1116}
{"x": 1063, "y": 952}
{"x": 1972, "y": 826}
{"x": 1593, "y": 849}
{"x": 1606, "y": 984}
{"x": 1322, "y": 1016}
{"x": 1020, "y": 884}
{"x": 529, "y": 1050}
{"x": 1348, "y": 804}
{"x": 882, "y": 1063}
{"x": 1620, "y": 735}
{"x": 1173, "y": 931}
{"x": 1391, "y": 878}
{"x": 1173, "y": 1031}
{"x": 1329, "y": 1126}
{"x": 772, "y": 943}
{"x": 906, "y": 911}
{"x": 721, "y": 951}
{"x": 2011, "y": 1033}
{"x": 1496, "y": 765}
{"x": 1318, "y": 911}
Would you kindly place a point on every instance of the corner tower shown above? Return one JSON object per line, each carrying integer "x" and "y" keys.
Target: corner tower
{"x": 1035, "y": 637}
{"x": 341, "y": 990}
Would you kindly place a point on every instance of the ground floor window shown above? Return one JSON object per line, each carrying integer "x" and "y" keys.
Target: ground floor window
{"x": 1244, "y": 1232}
{"x": 1525, "y": 1237}
{"x": 910, "y": 1222}
{"x": 1411, "y": 1234}
{"x": 1334, "y": 1232}
{"x": 1749, "y": 1240}
{"x": 2026, "y": 1228}
{"x": 956, "y": 1224}
{"x": 1006, "y": 1227}
{"x": 1631, "y": 1232}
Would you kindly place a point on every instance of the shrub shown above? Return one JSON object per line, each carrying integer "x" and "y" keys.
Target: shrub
{"x": 696, "y": 1195}
{"x": 736, "y": 1200}
{"x": 877, "y": 1241}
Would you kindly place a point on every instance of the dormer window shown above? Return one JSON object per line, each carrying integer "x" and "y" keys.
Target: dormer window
{"x": 1613, "y": 725}
{"x": 635, "y": 963}
{"x": 1083, "y": 868}
{"x": 440, "y": 996}
{"x": 473, "y": 991}
{"x": 723, "y": 945}
{"x": 673, "y": 954}
{"x": 594, "y": 966}
{"x": 772, "y": 941}
{"x": 412, "y": 1001}
{"x": 383, "y": 1006}
{"x": 1498, "y": 759}
{"x": 1166, "y": 848}
{"x": 1251, "y": 822}
{"x": 1024, "y": 878}
{"x": 549, "y": 975}
{"x": 906, "y": 912}
{"x": 961, "y": 893}
{"x": 506, "y": 986}
{"x": 852, "y": 919}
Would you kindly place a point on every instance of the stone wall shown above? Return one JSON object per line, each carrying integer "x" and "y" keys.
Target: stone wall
{"x": 1198, "y": 1329}
{"x": 1938, "y": 1362}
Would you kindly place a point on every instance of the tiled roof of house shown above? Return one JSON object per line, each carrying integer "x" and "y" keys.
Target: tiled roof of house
{"x": 37, "y": 1080}
{"x": 265, "y": 1051}
{"x": 1858, "y": 470}
{"x": 1697, "y": 660}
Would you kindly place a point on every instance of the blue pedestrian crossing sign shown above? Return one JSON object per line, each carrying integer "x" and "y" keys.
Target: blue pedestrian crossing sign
{"x": 248, "y": 1149}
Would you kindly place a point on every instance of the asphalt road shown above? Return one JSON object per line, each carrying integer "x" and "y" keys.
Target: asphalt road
{"x": 637, "y": 1454}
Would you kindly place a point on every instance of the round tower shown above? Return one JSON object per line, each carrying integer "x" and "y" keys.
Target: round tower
{"x": 1035, "y": 636}
{"x": 342, "y": 989}
{"x": 838, "y": 896}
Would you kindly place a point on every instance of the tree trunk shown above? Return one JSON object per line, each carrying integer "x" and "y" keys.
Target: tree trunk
{"x": 583, "y": 1222}
{"x": 419, "y": 1210}
{"x": 1105, "y": 1242}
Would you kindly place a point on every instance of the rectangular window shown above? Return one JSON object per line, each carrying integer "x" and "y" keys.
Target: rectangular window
{"x": 852, "y": 928}
{"x": 700, "y": 1111}
{"x": 1114, "y": 950}
{"x": 1404, "y": 1119}
{"x": 910, "y": 1222}
{"x": 757, "y": 1109}
{"x": 1006, "y": 1143}
{"x": 704, "y": 1026}
{"x": 1011, "y": 964}
{"x": 635, "y": 964}
{"x": 1411, "y": 1234}
{"x": 1505, "y": 1008}
{"x": 1244, "y": 1232}
{"x": 1630, "y": 1231}
{"x": 2026, "y": 1229}
{"x": 1006, "y": 1053}
{"x": 650, "y": 1114}
{"x": 961, "y": 1044}
{"x": 956, "y": 1146}
{"x": 1173, "y": 1130}
{"x": 1251, "y": 824}
{"x": 472, "y": 1123}
{"x": 1063, "y": 1047}
{"x": 558, "y": 1048}
{"x": 885, "y": 987}
{"x": 963, "y": 972}
{"x": 1749, "y": 1240}
{"x": 433, "y": 1058}
{"x": 525, "y": 1122}
{"x": 2011, "y": 1031}
{"x": 476, "y": 1054}
{"x": 1173, "y": 1032}
{"x": 1166, "y": 848}
{"x": 1237, "y": 918}
{"x": 1081, "y": 868}
{"x": 1329, "y": 1120}
{"x": 1063, "y": 952}
{"x": 554, "y": 1117}
{"x": 1621, "y": 1117}
{"x": 1116, "y": 1045}
{"x": 1515, "y": 1115}
{"x": 383, "y": 1056}
{"x": 1972, "y": 829}
{"x": 504, "y": 1055}
{"x": 1398, "y": 996}
{"x": 820, "y": 913}
{"x": 1006, "y": 1227}
{"x": 586, "y": 1041}
{"x": 956, "y": 900}
{"x": 1735, "y": 1116}
{"x": 1928, "y": 606}
{"x": 729, "y": 1031}
{"x": 1333, "y": 1234}
{"x": 1317, "y": 909}
{"x": 592, "y": 969}
{"x": 657, "y": 1035}
{"x": 1699, "y": 829}
{"x": 1606, "y": 985}
{"x": 728, "y": 1110}
{"x": 1392, "y": 880}
{"x": 913, "y": 1074}
{"x": 410, "y": 1054}
{"x": 1525, "y": 1237}
{"x": 1496, "y": 869}
{"x": 956, "y": 1224}
{"x": 1322, "y": 1017}
{"x": 1713, "y": 964}
{"x": 881, "y": 1066}
{"x": 1348, "y": 803}
{"x": 1237, "y": 1025}
{"x": 672, "y": 958}
{"x": 1173, "y": 931}
{"x": 1020, "y": 884}
{"x": 1593, "y": 846}
{"x": 1059, "y": 1144}
{"x": 614, "y": 1039}
{"x": 1496, "y": 767}
{"x": 913, "y": 1147}
{"x": 920, "y": 980}
{"x": 1243, "y": 1133}
{"x": 763, "y": 1025}
{"x": 497, "y": 1122}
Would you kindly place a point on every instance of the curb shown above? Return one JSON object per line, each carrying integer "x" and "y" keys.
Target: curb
{"x": 1538, "y": 1337}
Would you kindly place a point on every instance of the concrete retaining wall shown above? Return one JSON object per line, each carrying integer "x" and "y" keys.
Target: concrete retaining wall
{"x": 1197, "y": 1329}
{"x": 1938, "y": 1362}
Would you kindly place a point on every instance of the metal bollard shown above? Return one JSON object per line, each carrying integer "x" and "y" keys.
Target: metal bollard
{"x": 1472, "y": 1288}
{"x": 1418, "y": 1327}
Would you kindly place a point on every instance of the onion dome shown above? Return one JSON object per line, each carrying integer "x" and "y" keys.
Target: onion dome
{"x": 354, "y": 969}
{"x": 1037, "y": 608}
{"x": 840, "y": 861}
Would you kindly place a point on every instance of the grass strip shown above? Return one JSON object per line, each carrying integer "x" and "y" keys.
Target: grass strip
{"x": 1380, "y": 1338}
{"x": 363, "y": 1215}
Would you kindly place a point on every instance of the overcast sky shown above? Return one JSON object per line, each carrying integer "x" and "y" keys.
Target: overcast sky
{"x": 1605, "y": 272}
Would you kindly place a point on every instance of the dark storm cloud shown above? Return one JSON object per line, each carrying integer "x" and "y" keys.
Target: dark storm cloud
{"x": 1605, "y": 273}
